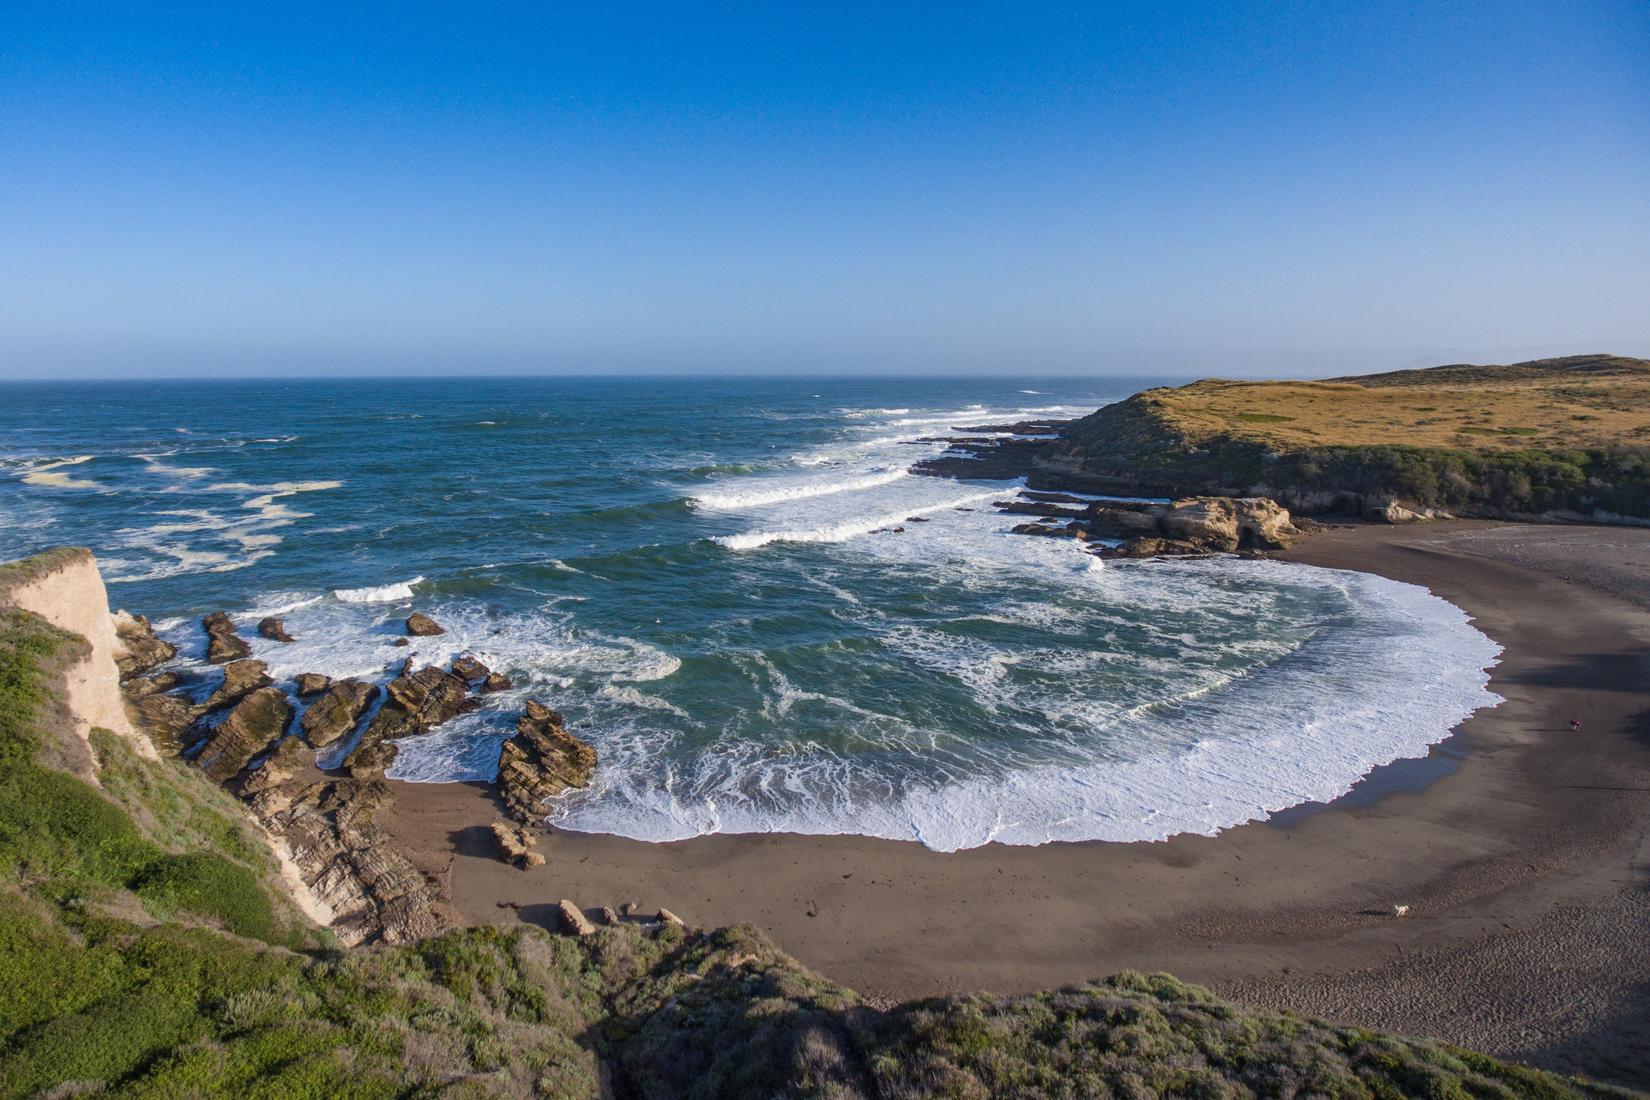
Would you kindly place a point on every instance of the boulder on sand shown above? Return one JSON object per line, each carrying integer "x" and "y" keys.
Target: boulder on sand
{"x": 138, "y": 649}
{"x": 255, "y": 723}
{"x": 420, "y": 625}
{"x": 541, "y": 761}
{"x": 1206, "y": 521}
{"x": 274, "y": 629}
{"x": 573, "y": 919}
{"x": 515, "y": 845}
{"x": 222, "y": 643}
{"x": 335, "y": 713}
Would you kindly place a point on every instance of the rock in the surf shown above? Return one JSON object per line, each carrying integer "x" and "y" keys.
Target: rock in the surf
{"x": 418, "y": 702}
{"x": 469, "y": 669}
{"x": 495, "y": 681}
{"x": 420, "y": 625}
{"x": 255, "y": 723}
{"x": 138, "y": 650}
{"x": 335, "y": 713}
{"x": 273, "y": 628}
{"x": 222, "y": 643}
{"x": 541, "y": 761}
{"x": 311, "y": 683}
{"x": 240, "y": 679}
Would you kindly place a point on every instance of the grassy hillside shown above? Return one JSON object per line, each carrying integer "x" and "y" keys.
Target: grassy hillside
{"x": 145, "y": 951}
{"x": 1552, "y": 435}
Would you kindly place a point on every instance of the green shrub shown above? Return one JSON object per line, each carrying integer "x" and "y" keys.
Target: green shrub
{"x": 208, "y": 885}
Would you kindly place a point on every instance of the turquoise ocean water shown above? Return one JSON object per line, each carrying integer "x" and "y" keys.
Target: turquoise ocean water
{"x": 700, "y": 574}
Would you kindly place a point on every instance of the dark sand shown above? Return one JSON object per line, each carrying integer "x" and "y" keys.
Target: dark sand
{"x": 1519, "y": 846}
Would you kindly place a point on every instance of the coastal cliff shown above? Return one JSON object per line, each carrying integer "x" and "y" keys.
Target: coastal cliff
{"x": 149, "y": 946}
{"x": 1556, "y": 439}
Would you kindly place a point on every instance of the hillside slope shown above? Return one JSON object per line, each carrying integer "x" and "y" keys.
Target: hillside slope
{"x": 1550, "y": 438}
{"x": 146, "y": 949}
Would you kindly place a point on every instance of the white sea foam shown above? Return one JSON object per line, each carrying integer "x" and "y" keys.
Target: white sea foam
{"x": 766, "y": 492}
{"x": 847, "y": 529}
{"x": 382, "y": 593}
{"x": 1231, "y": 752}
{"x": 46, "y": 475}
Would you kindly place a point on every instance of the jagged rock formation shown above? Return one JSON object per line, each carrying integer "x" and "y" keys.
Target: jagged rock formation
{"x": 418, "y": 702}
{"x": 286, "y": 760}
{"x": 335, "y": 713}
{"x": 253, "y": 725}
{"x": 420, "y": 625}
{"x": 222, "y": 643}
{"x": 273, "y": 628}
{"x": 541, "y": 761}
{"x": 240, "y": 679}
{"x": 495, "y": 681}
{"x": 1196, "y": 525}
{"x": 139, "y": 650}
{"x": 469, "y": 669}
{"x": 348, "y": 862}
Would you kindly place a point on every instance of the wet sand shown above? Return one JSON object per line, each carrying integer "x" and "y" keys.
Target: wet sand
{"x": 1519, "y": 846}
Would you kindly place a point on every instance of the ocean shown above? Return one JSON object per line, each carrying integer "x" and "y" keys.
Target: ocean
{"x": 704, "y": 576}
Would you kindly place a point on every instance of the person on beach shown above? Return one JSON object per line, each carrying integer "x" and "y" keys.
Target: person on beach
{"x": 1575, "y": 725}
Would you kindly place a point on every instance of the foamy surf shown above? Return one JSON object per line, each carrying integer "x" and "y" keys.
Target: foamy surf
{"x": 381, "y": 593}
{"x": 848, "y": 529}
{"x": 756, "y": 497}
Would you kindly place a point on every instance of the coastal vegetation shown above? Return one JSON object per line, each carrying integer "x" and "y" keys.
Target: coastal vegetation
{"x": 1551, "y": 437}
{"x": 147, "y": 948}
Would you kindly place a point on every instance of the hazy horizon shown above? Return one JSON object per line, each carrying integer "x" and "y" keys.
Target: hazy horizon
{"x": 989, "y": 190}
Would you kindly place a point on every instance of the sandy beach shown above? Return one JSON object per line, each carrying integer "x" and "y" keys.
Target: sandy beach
{"x": 1519, "y": 846}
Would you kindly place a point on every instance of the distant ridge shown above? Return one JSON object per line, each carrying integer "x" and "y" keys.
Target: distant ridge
{"x": 1466, "y": 374}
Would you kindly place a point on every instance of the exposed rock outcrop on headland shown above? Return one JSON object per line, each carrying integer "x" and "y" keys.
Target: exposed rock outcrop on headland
{"x": 541, "y": 761}
{"x": 1197, "y": 525}
{"x": 253, "y": 725}
{"x": 336, "y": 712}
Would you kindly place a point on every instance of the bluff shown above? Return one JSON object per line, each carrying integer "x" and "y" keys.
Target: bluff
{"x": 150, "y": 946}
{"x": 1547, "y": 439}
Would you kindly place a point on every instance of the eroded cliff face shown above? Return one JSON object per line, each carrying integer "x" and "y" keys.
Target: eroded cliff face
{"x": 64, "y": 588}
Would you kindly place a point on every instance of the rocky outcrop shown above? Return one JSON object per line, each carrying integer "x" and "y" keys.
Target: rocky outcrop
{"x": 469, "y": 669}
{"x": 335, "y": 713}
{"x": 240, "y": 679}
{"x": 287, "y": 759}
{"x": 418, "y": 702}
{"x": 137, "y": 650}
{"x": 165, "y": 720}
{"x": 274, "y": 629}
{"x": 1389, "y": 510}
{"x": 1192, "y": 525}
{"x": 420, "y": 625}
{"x": 541, "y": 761}
{"x": 348, "y": 862}
{"x": 495, "y": 681}
{"x": 515, "y": 845}
{"x": 255, "y": 723}
{"x": 139, "y": 687}
{"x": 222, "y": 643}
{"x": 311, "y": 683}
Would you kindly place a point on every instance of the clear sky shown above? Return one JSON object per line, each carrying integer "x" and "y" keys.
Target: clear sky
{"x": 1195, "y": 188}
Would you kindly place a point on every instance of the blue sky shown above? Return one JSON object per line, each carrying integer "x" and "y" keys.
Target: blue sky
{"x": 1270, "y": 188}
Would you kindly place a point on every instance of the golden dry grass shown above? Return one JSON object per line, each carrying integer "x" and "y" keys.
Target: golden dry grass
{"x": 1586, "y": 402}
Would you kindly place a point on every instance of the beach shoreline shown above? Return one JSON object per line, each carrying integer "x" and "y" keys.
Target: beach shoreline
{"x": 1519, "y": 841}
